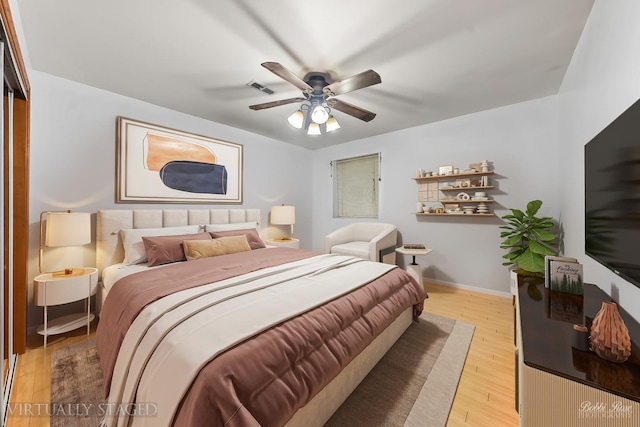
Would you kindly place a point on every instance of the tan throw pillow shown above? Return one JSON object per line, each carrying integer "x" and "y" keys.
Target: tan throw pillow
{"x": 196, "y": 249}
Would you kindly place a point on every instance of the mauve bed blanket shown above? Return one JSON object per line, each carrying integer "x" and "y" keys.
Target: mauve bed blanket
{"x": 267, "y": 378}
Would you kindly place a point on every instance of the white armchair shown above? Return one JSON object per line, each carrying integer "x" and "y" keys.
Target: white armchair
{"x": 369, "y": 240}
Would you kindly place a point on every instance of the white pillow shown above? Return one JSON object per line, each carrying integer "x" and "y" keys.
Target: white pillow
{"x": 234, "y": 226}
{"x": 134, "y": 251}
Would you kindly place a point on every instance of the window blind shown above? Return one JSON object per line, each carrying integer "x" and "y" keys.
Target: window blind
{"x": 355, "y": 192}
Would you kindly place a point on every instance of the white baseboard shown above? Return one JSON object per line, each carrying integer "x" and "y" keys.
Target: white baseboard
{"x": 468, "y": 287}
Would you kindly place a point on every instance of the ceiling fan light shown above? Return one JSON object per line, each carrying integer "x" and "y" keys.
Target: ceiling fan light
{"x": 319, "y": 114}
{"x": 314, "y": 129}
{"x": 296, "y": 119}
{"x": 332, "y": 124}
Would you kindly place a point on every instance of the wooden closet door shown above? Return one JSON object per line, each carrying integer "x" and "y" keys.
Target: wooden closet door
{"x": 20, "y": 221}
{"x": 15, "y": 72}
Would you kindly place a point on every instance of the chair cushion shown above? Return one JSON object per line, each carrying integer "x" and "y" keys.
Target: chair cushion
{"x": 356, "y": 249}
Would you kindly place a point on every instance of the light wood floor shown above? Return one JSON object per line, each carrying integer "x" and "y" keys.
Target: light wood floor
{"x": 485, "y": 395}
{"x": 31, "y": 388}
{"x": 486, "y": 392}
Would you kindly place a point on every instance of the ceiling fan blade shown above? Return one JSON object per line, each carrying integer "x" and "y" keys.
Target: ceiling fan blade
{"x": 359, "y": 81}
{"x": 352, "y": 110}
{"x": 287, "y": 75}
{"x": 276, "y": 103}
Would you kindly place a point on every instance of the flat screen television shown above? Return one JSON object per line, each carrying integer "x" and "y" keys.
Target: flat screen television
{"x": 612, "y": 196}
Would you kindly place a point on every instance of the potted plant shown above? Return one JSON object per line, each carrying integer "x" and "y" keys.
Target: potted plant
{"x": 528, "y": 239}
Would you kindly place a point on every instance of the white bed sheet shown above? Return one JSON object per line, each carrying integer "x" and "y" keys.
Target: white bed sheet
{"x": 115, "y": 272}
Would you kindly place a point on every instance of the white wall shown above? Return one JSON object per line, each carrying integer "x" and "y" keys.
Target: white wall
{"x": 73, "y": 162}
{"x": 516, "y": 139}
{"x": 536, "y": 149}
{"x": 602, "y": 82}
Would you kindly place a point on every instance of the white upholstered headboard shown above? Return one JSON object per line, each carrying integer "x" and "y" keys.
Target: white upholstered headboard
{"x": 109, "y": 249}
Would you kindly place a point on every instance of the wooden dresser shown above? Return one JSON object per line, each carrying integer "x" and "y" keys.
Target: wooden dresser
{"x": 557, "y": 385}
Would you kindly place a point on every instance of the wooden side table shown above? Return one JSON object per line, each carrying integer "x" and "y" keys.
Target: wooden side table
{"x": 56, "y": 289}
{"x": 287, "y": 243}
{"x": 414, "y": 269}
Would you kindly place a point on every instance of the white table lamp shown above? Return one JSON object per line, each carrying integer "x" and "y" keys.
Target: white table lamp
{"x": 64, "y": 228}
{"x": 284, "y": 215}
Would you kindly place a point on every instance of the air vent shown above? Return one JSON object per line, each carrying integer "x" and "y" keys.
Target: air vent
{"x": 260, "y": 87}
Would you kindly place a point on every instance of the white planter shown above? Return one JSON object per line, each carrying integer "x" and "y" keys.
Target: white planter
{"x": 513, "y": 282}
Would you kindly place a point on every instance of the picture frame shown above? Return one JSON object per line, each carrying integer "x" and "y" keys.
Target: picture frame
{"x": 445, "y": 170}
{"x": 156, "y": 164}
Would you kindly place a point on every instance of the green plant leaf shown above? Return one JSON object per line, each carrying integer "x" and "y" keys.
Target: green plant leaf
{"x": 513, "y": 240}
{"x": 531, "y": 261}
{"x": 511, "y": 256}
{"x": 541, "y": 249}
{"x": 518, "y": 214}
{"x": 533, "y": 207}
{"x": 527, "y": 238}
{"x": 546, "y": 224}
{"x": 543, "y": 235}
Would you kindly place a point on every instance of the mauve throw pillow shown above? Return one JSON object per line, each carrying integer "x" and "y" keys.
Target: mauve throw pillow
{"x": 134, "y": 251}
{"x": 166, "y": 249}
{"x": 252, "y": 236}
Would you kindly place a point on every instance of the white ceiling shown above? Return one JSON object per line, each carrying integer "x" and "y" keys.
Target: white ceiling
{"x": 437, "y": 58}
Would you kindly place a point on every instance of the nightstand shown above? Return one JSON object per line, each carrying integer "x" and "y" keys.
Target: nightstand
{"x": 414, "y": 268}
{"x": 287, "y": 243}
{"x": 56, "y": 289}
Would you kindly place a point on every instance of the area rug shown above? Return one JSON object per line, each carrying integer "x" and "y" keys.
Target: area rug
{"x": 413, "y": 384}
{"x": 76, "y": 386}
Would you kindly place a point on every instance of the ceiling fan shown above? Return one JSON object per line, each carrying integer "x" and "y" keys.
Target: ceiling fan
{"x": 318, "y": 91}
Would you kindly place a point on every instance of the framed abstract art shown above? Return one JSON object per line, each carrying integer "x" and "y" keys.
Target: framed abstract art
{"x": 156, "y": 164}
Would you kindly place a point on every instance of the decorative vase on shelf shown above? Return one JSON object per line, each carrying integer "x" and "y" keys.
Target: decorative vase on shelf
{"x": 609, "y": 336}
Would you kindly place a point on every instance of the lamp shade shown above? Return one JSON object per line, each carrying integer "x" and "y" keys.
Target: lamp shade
{"x": 332, "y": 124}
{"x": 319, "y": 114}
{"x": 296, "y": 119}
{"x": 68, "y": 229}
{"x": 314, "y": 129}
{"x": 283, "y": 215}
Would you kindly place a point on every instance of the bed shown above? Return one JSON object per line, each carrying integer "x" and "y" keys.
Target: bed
{"x": 253, "y": 337}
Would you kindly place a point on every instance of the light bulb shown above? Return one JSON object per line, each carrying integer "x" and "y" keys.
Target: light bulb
{"x": 314, "y": 129}
{"x": 332, "y": 124}
{"x": 296, "y": 119}
{"x": 319, "y": 114}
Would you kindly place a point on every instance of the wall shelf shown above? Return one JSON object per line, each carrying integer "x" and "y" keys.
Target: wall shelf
{"x": 439, "y": 190}
{"x": 465, "y": 201}
{"x": 451, "y": 176}
{"x": 486, "y": 187}
{"x": 450, "y": 214}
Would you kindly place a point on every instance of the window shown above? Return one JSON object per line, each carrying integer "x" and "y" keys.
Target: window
{"x": 355, "y": 187}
